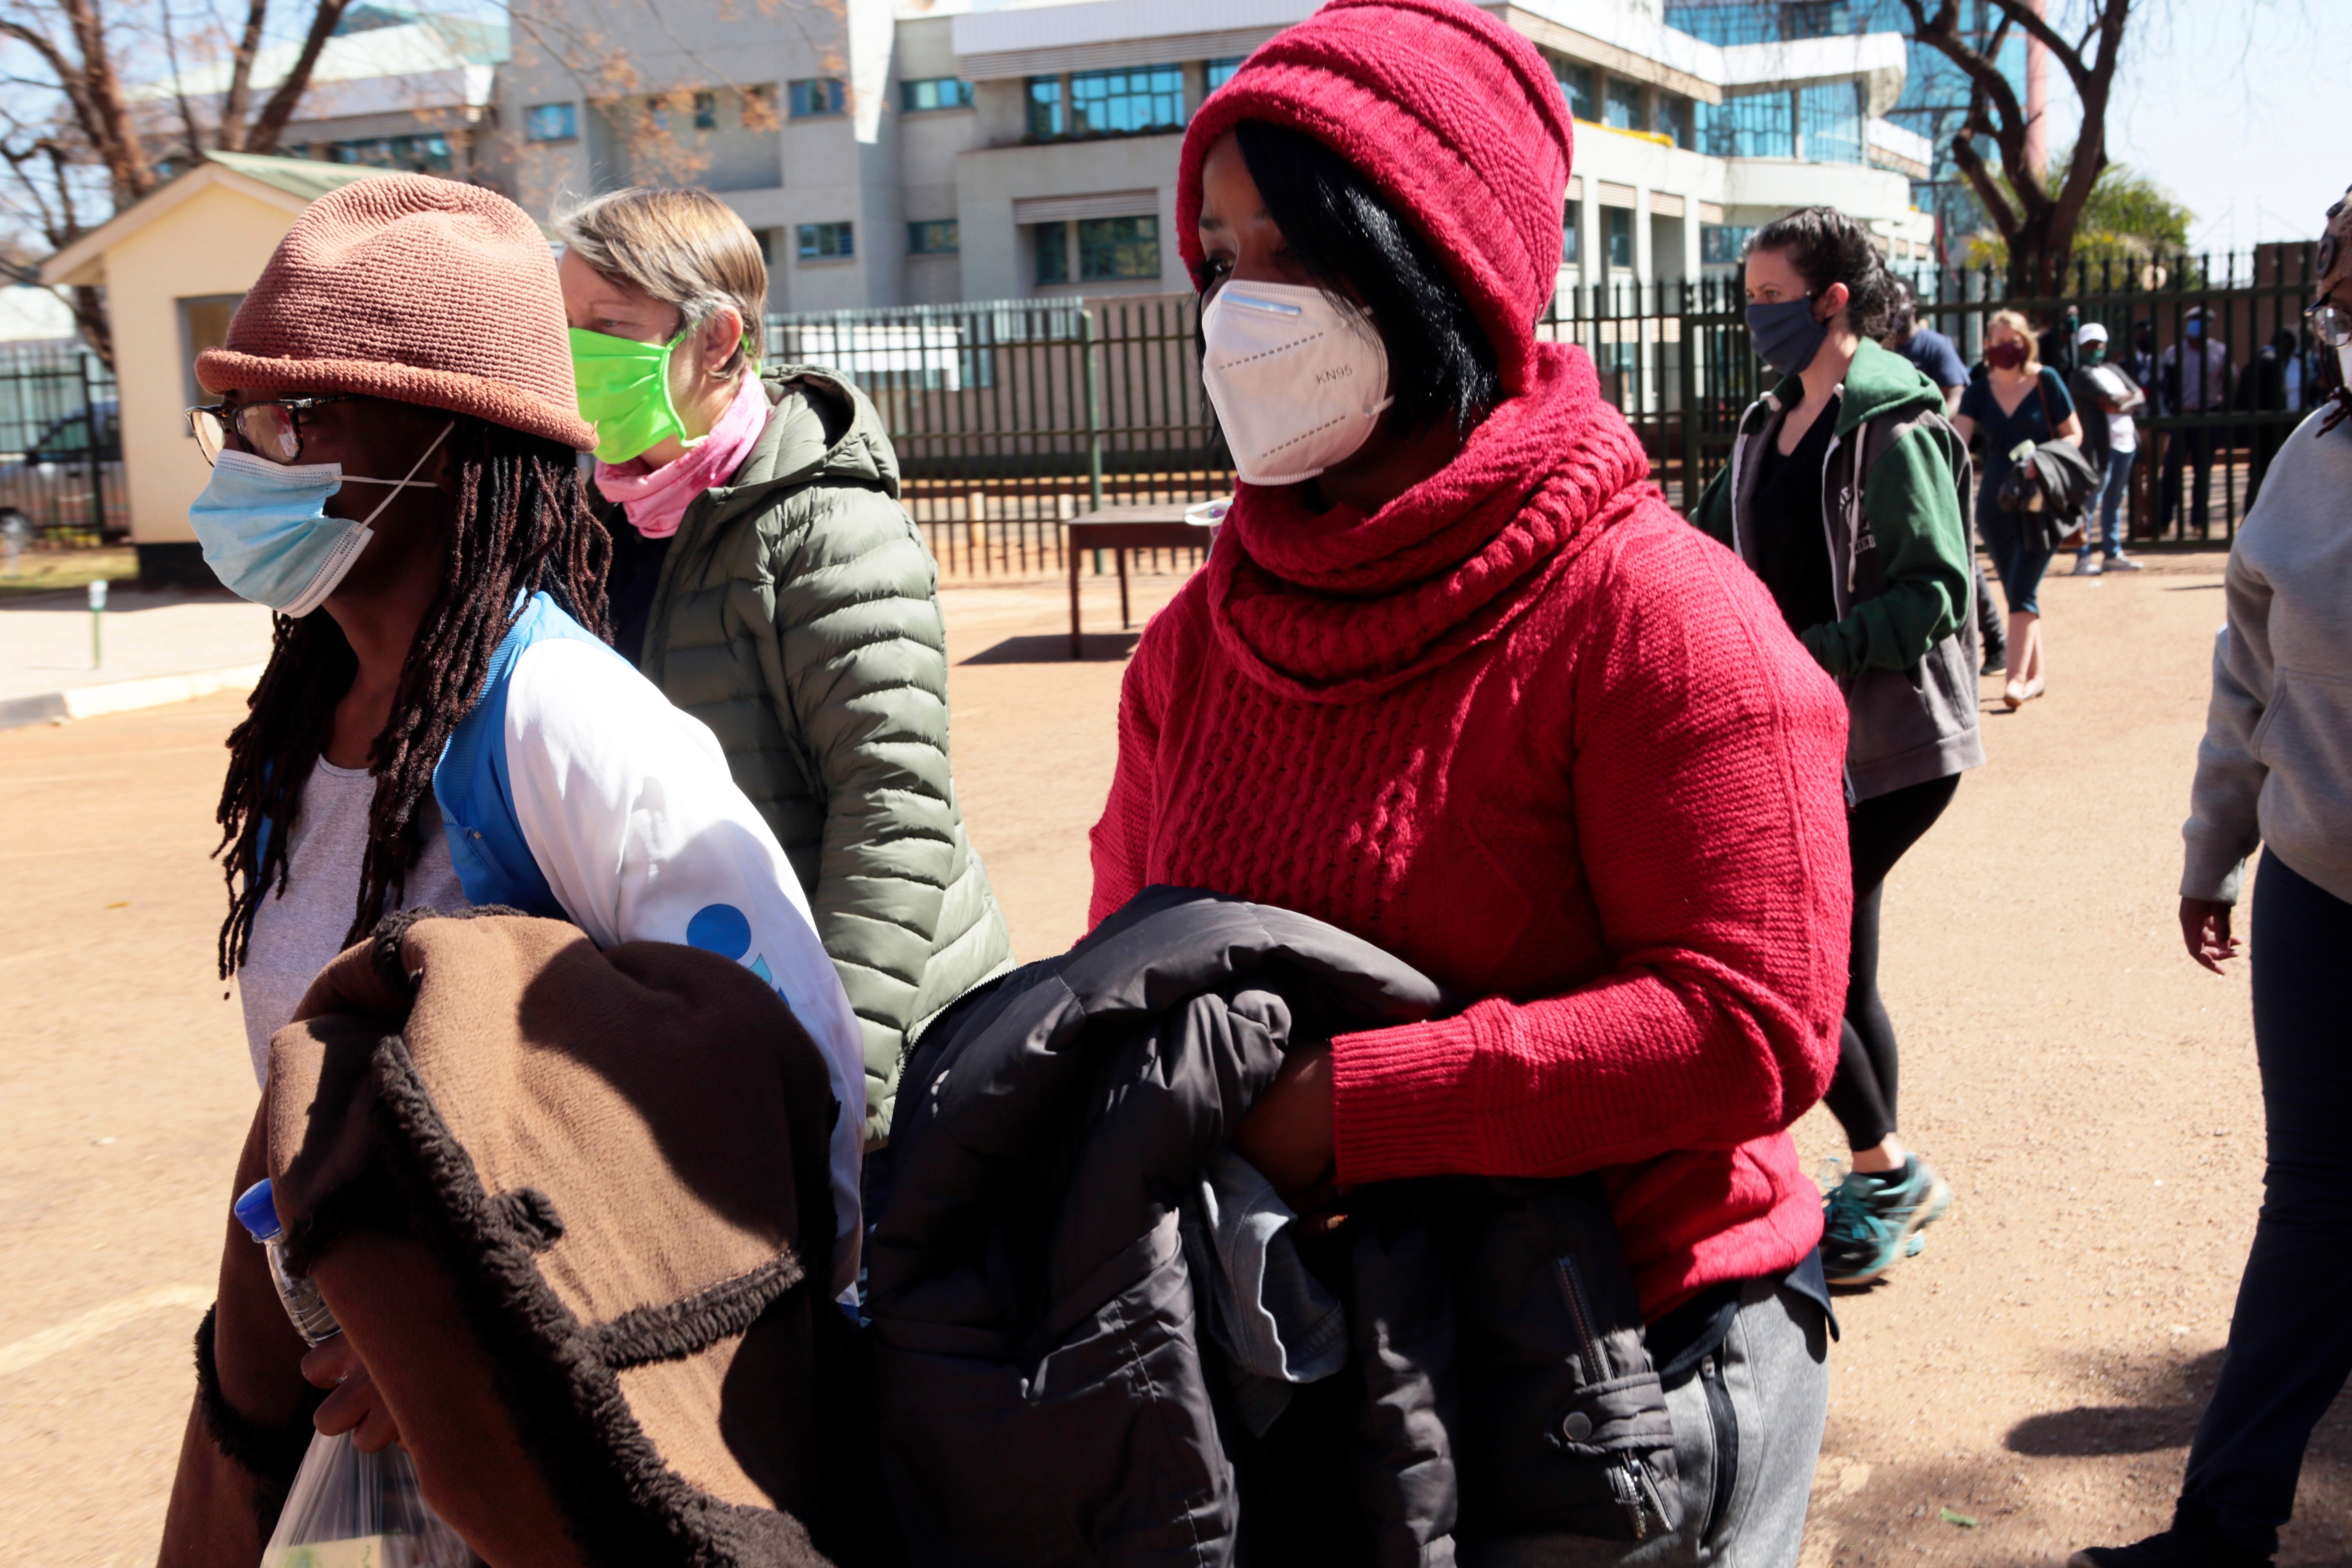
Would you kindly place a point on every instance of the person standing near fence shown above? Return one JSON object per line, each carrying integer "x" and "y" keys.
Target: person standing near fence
{"x": 1933, "y": 353}
{"x": 2110, "y": 440}
{"x": 2274, "y": 772}
{"x": 2266, "y": 386}
{"x": 1843, "y": 495}
{"x": 773, "y": 588}
{"x": 2018, "y": 402}
{"x": 2194, "y": 377}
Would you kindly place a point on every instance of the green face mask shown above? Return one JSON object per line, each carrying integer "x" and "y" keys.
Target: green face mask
{"x": 2094, "y": 353}
{"x": 624, "y": 393}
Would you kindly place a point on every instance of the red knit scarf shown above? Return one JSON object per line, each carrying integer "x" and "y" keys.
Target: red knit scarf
{"x": 1337, "y": 606}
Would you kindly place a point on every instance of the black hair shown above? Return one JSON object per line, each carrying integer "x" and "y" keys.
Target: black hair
{"x": 1351, "y": 239}
{"x": 519, "y": 523}
{"x": 1826, "y": 247}
{"x": 1902, "y": 306}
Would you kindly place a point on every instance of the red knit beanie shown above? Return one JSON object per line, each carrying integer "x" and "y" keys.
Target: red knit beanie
{"x": 1453, "y": 115}
{"x": 417, "y": 290}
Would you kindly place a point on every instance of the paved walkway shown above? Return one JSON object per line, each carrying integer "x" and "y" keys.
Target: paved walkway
{"x": 45, "y": 650}
{"x": 2091, "y": 1093}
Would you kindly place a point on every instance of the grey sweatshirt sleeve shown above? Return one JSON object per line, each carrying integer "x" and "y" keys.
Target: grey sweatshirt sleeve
{"x": 2221, "y": 829}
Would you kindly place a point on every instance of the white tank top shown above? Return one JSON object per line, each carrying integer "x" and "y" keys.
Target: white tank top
{"x": 296, "y": 932}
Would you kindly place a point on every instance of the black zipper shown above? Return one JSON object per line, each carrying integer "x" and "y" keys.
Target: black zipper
{"x": 1726, "y": 1421}
{"x": 1629, "y": 1479}
{"x": 1571, "y": 1290}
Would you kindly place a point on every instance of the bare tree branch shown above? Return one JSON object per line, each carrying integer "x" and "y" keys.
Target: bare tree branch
{"x": 179, "y": 88}
{"x": 69, "y": 79}
{"x": 263, "y": 137}
{"x": 2037, "y": 222}
{"x": 240, "y": 79}
{"x": 89, "y": 125}
{"x": 116, "y": 140}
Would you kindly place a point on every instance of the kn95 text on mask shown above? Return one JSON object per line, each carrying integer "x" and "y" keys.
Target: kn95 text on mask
{"x": 1299, "y": 378}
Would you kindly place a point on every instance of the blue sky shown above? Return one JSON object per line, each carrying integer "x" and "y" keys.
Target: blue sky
{"x": 2237, "y": 105}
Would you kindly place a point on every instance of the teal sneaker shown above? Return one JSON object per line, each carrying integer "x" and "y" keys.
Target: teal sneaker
{"x": 1872, "y": 1221}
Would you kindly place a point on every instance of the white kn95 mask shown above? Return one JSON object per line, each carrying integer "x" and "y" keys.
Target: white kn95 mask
{"x": 1298, "y": 379}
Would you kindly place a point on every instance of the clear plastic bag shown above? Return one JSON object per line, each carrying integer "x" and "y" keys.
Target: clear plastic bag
{"x": 347, "y": 1509}
{"x": 350, "y": 1510}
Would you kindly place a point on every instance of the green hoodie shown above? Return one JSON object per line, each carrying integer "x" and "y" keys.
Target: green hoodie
{"x": 1899, "y": 555}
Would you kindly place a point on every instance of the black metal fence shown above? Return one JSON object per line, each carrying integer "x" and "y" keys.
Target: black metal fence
{"x": 2219, "y": 404}
{"x": 1013, "y": 417}
{"x": 60, "y": 445}
{"x": 1010, "y": 418}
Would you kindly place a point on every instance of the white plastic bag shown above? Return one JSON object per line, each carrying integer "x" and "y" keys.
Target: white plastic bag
{"x": 350, "y": 1510}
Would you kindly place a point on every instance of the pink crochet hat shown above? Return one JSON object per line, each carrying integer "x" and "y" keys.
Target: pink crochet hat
{"x": 417, "y": 290}
{"x": 1456, "y": 117}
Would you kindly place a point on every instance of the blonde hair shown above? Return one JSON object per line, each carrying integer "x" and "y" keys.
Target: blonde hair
{"x": 2016, "y": 323}
{"x": 679, "y": 246}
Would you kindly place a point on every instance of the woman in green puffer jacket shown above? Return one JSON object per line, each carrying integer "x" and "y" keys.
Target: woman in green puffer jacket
{"x": 766, "y": 578}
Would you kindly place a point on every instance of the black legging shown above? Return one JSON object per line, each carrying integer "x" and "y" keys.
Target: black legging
{"x": 1878, "y": 831}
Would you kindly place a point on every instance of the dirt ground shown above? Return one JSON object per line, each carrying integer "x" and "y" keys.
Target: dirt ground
{"x": 2089, "y": 1091}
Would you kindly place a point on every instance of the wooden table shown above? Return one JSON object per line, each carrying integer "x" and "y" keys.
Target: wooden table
{"x": 1120, "y": 529}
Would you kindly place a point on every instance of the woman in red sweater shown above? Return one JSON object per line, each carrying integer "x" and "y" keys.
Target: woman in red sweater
{"x": 1456, "y": 679}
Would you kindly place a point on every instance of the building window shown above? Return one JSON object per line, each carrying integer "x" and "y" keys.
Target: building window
{"x": 827, "y": 241}
{"x": 816, "y": 96}
{"x": 934, "y": 92}
{"x": 1829, "y": 121}
{"x": 1053, "y": 248}
{"x": 766, "y": 238}
{"x": 1617, "y": 224}
{"x": 1219, "y": 72}
{"x": 1110, "y": 249}
{"x": 414, "y": 154}
{"x": 1570, "y": 250}
{"x": 1576, "y": 85}
{"x": 1044, "y": 102}
{"x": 705, "y": 111}
{"x": 1622, "y": 109}
{"x": 551, "y": 122}
{"x": 1818, "y": 20}
{"x": 203, "y": 324}
{"x": 1127, "y": 102}
{"x": 939, "y": 237}
{"x": 1756, "y": 125}
{"x": 1723, "y": 245}
{"x": 1670, "y": 117}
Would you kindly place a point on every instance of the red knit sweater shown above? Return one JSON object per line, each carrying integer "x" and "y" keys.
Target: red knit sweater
{"x": 1607, "y": 800}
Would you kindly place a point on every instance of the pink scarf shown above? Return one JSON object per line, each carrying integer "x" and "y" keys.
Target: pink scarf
{"x": 657, "y": 499}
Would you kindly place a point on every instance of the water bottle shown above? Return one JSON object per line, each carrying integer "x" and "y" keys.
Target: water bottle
{"x": 258, "y": 1211}
{"x": 347, "y": 1509}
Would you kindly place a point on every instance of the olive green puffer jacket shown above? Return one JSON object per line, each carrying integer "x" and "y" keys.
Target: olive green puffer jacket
{"x": 797, "y": 614}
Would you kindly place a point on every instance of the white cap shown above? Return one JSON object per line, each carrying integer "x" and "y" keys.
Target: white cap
{"x": 2092, "y": 332}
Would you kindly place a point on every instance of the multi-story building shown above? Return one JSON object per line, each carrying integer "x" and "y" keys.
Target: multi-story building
{"x": 906, "y": 152}
{"x": 1935, "y": 92}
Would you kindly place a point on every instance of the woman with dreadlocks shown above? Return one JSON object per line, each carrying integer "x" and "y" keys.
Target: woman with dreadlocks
{"x": 396, "y": 446}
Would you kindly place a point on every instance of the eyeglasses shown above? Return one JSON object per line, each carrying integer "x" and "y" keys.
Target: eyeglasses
{"x": 2330, "y": 322}
{"x": 273, "y": 428}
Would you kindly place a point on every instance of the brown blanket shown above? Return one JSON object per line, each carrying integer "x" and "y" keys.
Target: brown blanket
{"x": 572, "y": 1209}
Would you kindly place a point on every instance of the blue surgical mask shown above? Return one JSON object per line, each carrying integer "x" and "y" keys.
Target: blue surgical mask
{"x": 266, "y": 533}
{"x": 1787, "y": 336}
{"x": 2195, "y": 328}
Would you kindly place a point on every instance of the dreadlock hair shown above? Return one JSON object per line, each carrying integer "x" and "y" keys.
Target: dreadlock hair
{"x": 519, "y": 524}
